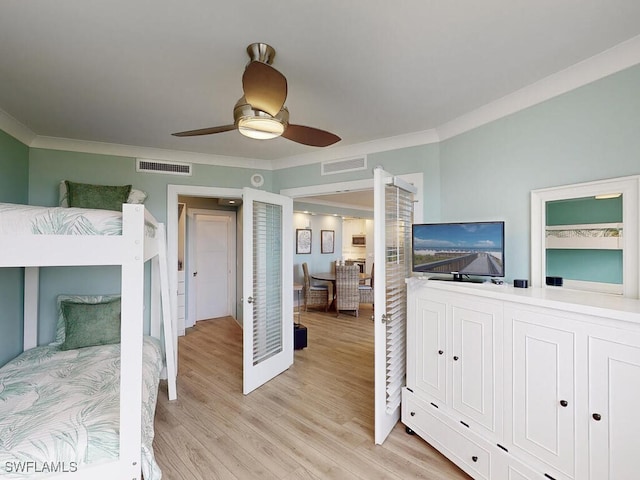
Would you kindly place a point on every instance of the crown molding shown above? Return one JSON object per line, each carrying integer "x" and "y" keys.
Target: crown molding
{"x": 17, "y": 130}
{"x": 100, "y": 148}
{"x": 613, "y": 60}
{"x": 375, "y": 146}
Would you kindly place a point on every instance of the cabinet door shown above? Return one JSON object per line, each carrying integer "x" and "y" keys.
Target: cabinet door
{"x": 477, "y": 363}
{"x": 543, "y": 390}
{"x": 614, "y": 392}
{"x": 427, "y": 348}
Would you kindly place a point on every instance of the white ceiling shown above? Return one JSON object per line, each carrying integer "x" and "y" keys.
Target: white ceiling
{"x": 132, "y": 72}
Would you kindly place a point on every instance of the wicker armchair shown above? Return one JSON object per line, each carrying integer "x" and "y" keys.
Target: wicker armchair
{"x": 366, "y": 291}
{"x": 347, "y": 281}
{"x": 315, "y": 295}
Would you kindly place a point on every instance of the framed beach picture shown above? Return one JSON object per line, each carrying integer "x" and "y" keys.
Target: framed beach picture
{"x": 326, "y": 241}
{"x": 303, "y": 240}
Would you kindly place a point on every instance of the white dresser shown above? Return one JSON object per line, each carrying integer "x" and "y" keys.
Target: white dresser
{"x": 538, "y": 383}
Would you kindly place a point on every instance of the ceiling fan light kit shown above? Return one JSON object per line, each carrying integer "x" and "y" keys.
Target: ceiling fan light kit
{"x": 260, "y": 128}
{"x": 261, "y": 113}
{"x": 257, "y": 124}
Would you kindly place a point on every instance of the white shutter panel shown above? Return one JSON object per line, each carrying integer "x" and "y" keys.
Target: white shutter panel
{"x": 398, "y": 220}
{"x": 267, "y": 281}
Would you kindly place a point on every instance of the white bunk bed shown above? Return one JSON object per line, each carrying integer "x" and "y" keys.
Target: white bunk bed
{"x": 140, "y": 239}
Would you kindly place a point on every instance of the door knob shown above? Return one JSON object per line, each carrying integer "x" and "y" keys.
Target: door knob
{"x": 250, "y": 300}
{"x": 597, "y": 417}
{"x": 440, "y": 352}
{"x": 564, "y": 403}
{"x": 455, "y": 358}
{"x": 195, "y": 274}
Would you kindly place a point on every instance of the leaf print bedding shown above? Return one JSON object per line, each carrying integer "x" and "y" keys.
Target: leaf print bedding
{"x": 36, "y": 220}
{"x": 60, "y": 409}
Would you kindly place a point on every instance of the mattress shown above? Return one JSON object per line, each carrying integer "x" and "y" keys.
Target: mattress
{"x": 36, "y": 220}
{"x": 61, "y": 409}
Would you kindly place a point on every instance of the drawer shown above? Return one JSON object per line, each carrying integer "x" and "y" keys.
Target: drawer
{"x": 505, "y": 466}
{"x": 181, "y": 288}
{"x": 424, "y": 420}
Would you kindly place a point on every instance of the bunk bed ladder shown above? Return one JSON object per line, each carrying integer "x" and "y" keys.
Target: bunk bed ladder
{"x": 160, "y": 265}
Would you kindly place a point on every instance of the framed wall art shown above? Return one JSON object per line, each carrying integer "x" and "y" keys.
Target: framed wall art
{"x": 303, "y": 240}
{"x": 327, "y": 238}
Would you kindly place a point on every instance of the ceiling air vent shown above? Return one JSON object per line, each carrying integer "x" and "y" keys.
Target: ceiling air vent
{"x": 168, "y": 168}
{"x": 344, "y": 165}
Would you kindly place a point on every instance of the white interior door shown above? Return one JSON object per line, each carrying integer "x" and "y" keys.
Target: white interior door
{"x": 392, "y": 219}
{"x": 215, "y": 256}
{"x": 267, "y": 285}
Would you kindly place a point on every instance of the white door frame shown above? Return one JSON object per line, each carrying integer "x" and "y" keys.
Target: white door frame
{"x": 172, "y": 235}
{"x": 415, "y": 179}
{"x": 190, "y": 317}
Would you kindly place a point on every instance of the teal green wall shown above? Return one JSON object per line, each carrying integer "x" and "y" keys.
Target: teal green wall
{"x": 587, "y": 134}
{"x": 583, "y": 211}
{"x": 603, "y": 266}
{"x": 14, "y": 165}
{"x": 48, "y": 167}
{"x": 585, "y": 264}
{"x": 423, "y": 158}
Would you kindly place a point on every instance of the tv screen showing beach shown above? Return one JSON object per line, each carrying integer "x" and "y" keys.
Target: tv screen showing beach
{"x": 475, "y": 248}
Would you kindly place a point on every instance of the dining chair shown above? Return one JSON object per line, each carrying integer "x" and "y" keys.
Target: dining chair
{"x": 347, "y": 295}
{"x": 314, "y": 295}
{"x": 366, "y": 291}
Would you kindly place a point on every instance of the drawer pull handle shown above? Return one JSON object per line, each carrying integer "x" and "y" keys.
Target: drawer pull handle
{"x": 413, "y": 414}
{"x": 564, "y": 403}
{"x": 440, "y": 352}
{"x": 597, "y": 417}
{"x": 455, "y": 358}
{"x": 474, "y": 458}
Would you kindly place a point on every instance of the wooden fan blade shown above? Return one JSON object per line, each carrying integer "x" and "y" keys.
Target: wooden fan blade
{"x": 265, "y": 88}
{"x": 313, "y": 137}
{"x": 205, "y": 131}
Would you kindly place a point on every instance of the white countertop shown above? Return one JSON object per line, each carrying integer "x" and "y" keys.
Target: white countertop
{"x": 589, "y": 303}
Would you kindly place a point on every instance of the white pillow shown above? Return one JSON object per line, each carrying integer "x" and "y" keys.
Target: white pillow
{"x": 135, "y": 196}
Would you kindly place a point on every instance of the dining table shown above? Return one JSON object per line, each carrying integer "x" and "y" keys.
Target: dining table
{"x": 331, "y": 276}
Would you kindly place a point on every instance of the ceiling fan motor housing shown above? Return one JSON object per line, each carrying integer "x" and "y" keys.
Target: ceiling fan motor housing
{"x": 261, "y": 52}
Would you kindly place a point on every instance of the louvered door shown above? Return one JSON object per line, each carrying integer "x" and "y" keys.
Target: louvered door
{"x": 267, "y": 272}
{"x": 393, "y": 215}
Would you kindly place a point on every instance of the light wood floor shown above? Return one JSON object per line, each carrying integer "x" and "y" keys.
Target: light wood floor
{"x": 313, "y": 422}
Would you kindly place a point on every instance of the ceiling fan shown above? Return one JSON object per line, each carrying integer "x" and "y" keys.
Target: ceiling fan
{"x": 260, "y": 113}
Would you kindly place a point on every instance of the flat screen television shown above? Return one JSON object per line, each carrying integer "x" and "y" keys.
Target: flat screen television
{"x": 459, "y": 249}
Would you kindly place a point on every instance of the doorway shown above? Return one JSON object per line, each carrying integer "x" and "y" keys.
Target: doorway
{"x": 173, "y": 194}
{"x": 211, "y": 264}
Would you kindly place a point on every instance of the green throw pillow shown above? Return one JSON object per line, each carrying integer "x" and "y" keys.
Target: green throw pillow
{"x": 89, "y": 324}
{"x": 104, "y": 197}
